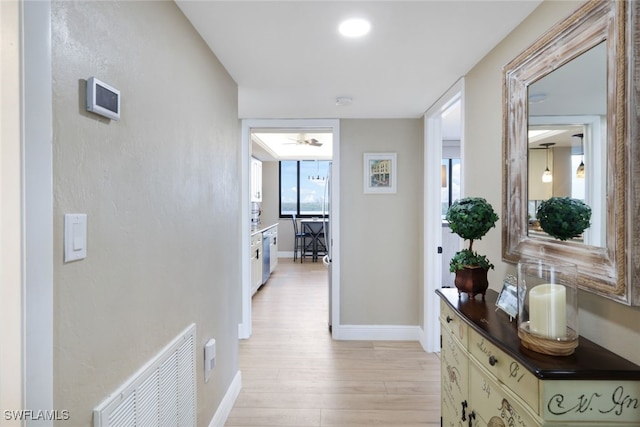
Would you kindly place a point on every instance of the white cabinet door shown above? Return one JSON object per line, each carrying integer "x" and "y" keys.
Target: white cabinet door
{"x": 256, "y": 262}
{"x": 256, "y": 180}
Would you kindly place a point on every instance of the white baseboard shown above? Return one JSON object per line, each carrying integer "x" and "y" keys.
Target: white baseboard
{"x": 224, "y": 409}
{"x": 423, "y": 340}
{"x": 377, "y": 332}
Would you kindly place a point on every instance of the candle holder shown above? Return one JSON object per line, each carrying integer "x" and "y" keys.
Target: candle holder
{"x": 548, "y": 307}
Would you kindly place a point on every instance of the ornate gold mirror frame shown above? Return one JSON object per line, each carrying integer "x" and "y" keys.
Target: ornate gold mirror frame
{"x": 612, "y": 270}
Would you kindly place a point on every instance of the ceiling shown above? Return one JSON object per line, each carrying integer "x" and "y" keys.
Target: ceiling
{"x": 578, "y": 87}
{"x": 557, "y": 135}
{"x": 290, "y": 62}
{"x": 570, "y": 94}
{"x": 280, "y": 144}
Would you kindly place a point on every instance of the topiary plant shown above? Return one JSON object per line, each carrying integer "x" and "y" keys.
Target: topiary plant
{"x": 563, "y": 217}
{"x": 470, "y": 218}
{"x": 466, "y": 258}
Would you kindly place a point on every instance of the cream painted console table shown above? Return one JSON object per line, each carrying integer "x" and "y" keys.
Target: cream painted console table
{"x": 489, "y": 379}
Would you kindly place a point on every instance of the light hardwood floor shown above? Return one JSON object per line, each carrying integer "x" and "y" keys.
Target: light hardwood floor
{"x": 294, "y": 374}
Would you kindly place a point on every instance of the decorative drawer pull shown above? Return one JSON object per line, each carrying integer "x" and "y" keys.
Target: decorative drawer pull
{"x": 464, "y": 412}
{"x": 472, "y": 416}
{"x": 449, "y": 319}
{"x": 493, "y": 360}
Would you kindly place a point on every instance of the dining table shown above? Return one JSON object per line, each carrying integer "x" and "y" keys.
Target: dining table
{"x": 316, "y": 229}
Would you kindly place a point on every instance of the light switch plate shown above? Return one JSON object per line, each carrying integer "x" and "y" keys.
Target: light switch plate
{"x": 209, "y": 358}
{"x": 75, "y": 237}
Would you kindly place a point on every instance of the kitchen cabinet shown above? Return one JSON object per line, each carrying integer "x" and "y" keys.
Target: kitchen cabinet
{"x": 489, "y": 380}
{"x": 256, "y": 262}
{"x": 256, "y": 180}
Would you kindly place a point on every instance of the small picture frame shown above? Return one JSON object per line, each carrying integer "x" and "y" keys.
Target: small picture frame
{"x": 508, "y": 298}
{"x": 380, "y": 173}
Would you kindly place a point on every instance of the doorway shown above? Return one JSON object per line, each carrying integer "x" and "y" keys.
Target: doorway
{"x": 295, "y": 127}
{"x": 26, "y": 360}
{"x": 442, "y": 127}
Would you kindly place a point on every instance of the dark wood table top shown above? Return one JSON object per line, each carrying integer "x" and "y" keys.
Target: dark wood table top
{"x": 589, "y": 362}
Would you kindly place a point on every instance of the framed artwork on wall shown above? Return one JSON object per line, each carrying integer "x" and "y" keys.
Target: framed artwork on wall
{"x": 380, "y": 173}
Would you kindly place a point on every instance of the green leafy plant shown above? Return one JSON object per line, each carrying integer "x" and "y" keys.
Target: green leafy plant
{"x": 466, "y": 258}
{"x": 470, "y": 218}
{"x": 563, "y": 217}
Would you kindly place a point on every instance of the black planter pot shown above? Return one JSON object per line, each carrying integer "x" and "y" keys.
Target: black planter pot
{"x": 472, "y": 280}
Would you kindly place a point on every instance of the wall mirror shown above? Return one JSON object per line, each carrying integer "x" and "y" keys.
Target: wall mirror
{"x": 569, "y": 105}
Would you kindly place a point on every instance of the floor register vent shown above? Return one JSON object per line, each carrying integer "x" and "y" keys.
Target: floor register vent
{"x": 162, "y": 393}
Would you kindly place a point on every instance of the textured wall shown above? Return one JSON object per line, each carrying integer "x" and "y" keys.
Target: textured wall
{"x": 161, "y": 191}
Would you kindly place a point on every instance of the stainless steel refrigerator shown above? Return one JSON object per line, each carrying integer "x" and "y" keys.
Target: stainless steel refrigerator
{"x": 326, "y": 223}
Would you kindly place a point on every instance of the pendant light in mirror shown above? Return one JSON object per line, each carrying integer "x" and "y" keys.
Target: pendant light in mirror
{"x": 547, "y": 176}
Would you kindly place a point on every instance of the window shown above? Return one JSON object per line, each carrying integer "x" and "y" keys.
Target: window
{"x": 302, "y": 184}
{"x": 578, "y": 186}
{"x": 450, "y": 183}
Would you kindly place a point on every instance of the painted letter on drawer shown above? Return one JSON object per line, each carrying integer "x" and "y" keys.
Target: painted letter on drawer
{"x": 453, "y": 323}
{"x": 493, "y": 404}
{"x": 455, "y": 379}
{"x": 603, "y": 401}
{"x": 507, "y": 370}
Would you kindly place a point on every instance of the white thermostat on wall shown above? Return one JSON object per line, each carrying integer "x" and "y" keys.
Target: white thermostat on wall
{"x": 103, "y": 99}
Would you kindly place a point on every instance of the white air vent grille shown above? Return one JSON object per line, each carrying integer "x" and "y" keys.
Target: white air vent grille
{"x": 162, "y": 393}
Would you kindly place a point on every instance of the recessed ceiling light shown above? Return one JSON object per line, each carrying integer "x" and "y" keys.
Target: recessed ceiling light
{"x": 537, "y": 98}
{"x": 341, "y": 101}
{"x": 356, "y": 27}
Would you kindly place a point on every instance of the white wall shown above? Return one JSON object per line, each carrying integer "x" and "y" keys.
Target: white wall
{"x": 161, "y": 191}
{"x": 609, "y": 324}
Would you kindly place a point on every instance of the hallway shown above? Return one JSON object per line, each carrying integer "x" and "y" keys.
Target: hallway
{"x": 294, "y": 374}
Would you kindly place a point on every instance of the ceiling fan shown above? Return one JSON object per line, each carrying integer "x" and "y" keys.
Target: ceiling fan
{"x": 311, "y": 141}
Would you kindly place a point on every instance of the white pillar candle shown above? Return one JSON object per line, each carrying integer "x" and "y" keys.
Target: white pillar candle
{"x": 548, "y": 310}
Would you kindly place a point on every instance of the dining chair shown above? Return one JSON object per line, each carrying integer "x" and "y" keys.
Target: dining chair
{"x": 300, "y": 238}
{"x": 322, "y": 239}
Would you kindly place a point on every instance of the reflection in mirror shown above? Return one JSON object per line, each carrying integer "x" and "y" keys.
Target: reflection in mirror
{"x": 567, "y": 132}
{"x": 574, "y": 152}
{"x": 607, "y": 259}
